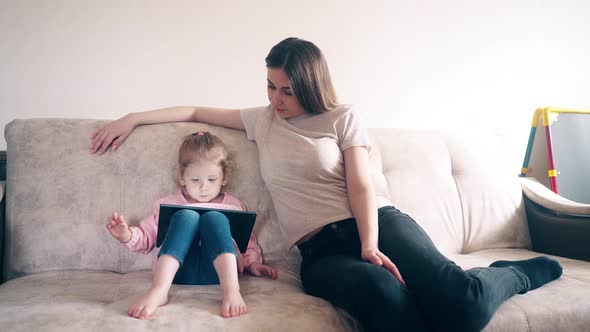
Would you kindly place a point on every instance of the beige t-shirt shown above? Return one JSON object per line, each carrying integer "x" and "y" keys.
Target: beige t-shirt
{"x": 302, "y": 165}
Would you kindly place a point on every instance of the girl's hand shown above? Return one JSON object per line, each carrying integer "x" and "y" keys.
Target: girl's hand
{"x": 260, "y": 270}
{"x": 375, "y": 256}
{"x": 118, "y": 228}
{"x": 113, "y": 133}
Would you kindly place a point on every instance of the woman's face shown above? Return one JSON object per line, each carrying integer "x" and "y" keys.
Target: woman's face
{"x": 281, "y": 96}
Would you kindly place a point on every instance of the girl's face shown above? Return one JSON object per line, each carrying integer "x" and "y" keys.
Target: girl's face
{"x": 281, "y": 96}
{"x": 203, "y": 180}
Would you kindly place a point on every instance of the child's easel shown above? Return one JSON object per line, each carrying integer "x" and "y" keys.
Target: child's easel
{"x": 567, "y": 145}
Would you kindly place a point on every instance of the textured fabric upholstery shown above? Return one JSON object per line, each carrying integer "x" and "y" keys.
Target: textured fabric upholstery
{"x": 457, "y": 187}
{"x": 69, "y": 274}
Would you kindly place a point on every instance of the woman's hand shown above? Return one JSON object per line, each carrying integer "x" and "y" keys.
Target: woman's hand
{"x": 375, "y": 256}
{"x": 113, "y": 133}
{"x": 119, "y": 228}
{"x": 260, "y": 270}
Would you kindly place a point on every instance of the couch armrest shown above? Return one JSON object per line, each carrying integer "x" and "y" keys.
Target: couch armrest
{"x": 558, "y": 226}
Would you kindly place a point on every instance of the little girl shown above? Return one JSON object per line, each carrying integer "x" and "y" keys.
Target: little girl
{"x": 197, "y": 249}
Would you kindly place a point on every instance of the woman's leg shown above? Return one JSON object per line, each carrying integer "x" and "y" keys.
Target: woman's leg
{"x": 184, "y": 225}
{"x": 333, "y": 270}
{"x": 218, "y": 248}
{"x": 450, "y": 298}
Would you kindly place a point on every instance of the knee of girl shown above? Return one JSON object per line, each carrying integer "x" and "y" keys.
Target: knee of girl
{"x": 214, "y": 220}
{"x": 214, "y": 215}
{"x": 186, "y": 214}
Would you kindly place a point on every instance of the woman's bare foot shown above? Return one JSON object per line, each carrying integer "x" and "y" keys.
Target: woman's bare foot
{"x": 149, "y": 303}
{"x": 232, "y": 304}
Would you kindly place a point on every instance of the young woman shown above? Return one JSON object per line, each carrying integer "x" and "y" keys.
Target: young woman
{"x": 359, "y": 252}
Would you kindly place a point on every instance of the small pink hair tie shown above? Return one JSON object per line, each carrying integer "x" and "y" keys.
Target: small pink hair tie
{"x": 200, "y": 133}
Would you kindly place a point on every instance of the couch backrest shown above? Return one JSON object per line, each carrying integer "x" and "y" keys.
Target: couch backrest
{"x": 460, "y": 187}
{"x": 59, "y": 195}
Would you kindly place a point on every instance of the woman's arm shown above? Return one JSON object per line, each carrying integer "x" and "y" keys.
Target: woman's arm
{"x": 117, "y": 131}
{"x": 361, "y": 196}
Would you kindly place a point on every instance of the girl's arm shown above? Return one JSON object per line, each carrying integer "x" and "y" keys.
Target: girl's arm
{"x": 361, "y": 196}
{"x": 253, "y": 253}
{"x": 252, "y": 260}
{"x": 117, "y": 131}
{"x": 143, "y": 238}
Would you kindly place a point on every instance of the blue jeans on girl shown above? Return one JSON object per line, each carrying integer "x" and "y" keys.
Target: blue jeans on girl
{"x": 195, "y": 241}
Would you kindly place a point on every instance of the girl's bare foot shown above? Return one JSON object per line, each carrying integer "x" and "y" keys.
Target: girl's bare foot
{"x": 232, "y": 304}
{"x": 149, "y": 303}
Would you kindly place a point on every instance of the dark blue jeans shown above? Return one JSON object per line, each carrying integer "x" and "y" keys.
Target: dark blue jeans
{"x": 438, "y": 295}
{"x": 195, "y": 241}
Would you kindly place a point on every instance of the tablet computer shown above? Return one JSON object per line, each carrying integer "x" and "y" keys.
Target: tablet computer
{"x": 241, "y": 223}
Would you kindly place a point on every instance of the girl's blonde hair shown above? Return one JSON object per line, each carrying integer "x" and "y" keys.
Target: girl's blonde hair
{"x": 204, "y": 145}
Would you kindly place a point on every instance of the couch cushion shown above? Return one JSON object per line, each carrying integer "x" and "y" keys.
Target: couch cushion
{"x": 94, "y": 300}
{"x": 561, "y": 305}
{"x": 98, "y": 301}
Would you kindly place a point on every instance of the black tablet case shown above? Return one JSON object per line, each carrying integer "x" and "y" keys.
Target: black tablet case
{"x": 241, "y": 223}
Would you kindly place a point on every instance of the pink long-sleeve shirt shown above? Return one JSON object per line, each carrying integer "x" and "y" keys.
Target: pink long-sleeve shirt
{"x": 143, "y": 237}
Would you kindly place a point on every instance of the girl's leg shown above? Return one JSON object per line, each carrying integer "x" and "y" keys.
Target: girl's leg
{"x": 333, "y": 270}
{"x": 217, "y": 247}
{"x": 450, "y": 298}
{"x": 232, "y": 303}
{"x": 184, "y": 225}
{"x": 157, "y": 296}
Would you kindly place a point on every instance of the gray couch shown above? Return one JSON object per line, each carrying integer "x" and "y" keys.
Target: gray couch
{"x": 65, "y": 273}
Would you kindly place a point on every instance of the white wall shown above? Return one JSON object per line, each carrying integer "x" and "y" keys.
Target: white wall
{"x": 471, "y": 63}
